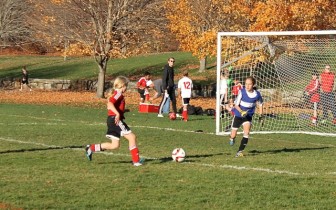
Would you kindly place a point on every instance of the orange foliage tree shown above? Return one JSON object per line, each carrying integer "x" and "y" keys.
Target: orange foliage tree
{"x": 196, "y": 23}
{"x": 290, "y": 15}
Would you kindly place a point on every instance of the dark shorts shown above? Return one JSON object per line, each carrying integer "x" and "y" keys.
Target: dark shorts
{"x": 142, "y": 93}
{"x": 186, "y": 101}
{"x": 24, "y": 81}
{"x": 114, "y": 132}
{"x": 239, "y": 121}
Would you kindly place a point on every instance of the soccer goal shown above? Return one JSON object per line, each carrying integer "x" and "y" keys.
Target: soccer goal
{"x": 283, "y": 64}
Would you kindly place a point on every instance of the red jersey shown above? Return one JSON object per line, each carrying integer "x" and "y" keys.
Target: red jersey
{"x": 118, "y": 101}
{"x": 313, "y": 89}
{"x": 327, "y": 82}
{"x": 235, "y": 89}
{"x": 142, "y": 83}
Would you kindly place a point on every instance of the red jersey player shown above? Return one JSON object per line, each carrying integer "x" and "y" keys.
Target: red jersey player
{"x": 313, "y": 90}
{"x": 143, "y": 85}
{"x": 115, "y": 124}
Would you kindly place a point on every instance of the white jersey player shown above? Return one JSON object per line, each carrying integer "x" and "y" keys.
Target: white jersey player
{"x": 185, "y": 86}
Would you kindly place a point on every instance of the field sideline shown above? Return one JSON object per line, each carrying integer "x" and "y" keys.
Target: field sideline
{"x": 43, "y": 165}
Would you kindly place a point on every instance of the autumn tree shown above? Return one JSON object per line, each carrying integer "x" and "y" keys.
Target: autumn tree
{"x": 107, "y": 27}
{"x": 196, "y": 23}
{"x": 14, "y": 30}
{"x": 289, "y": 15}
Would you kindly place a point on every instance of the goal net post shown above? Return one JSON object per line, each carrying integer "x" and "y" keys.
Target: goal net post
{"x": 283, "y": 64}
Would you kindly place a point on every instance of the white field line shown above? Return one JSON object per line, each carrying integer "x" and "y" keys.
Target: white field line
{"x": 225, "y": 166}
{"x": 146, "y": 127}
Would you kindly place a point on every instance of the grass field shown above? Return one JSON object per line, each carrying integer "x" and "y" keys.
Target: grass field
{"x": 54, "y": 67}
{"x": 43, "y": 165}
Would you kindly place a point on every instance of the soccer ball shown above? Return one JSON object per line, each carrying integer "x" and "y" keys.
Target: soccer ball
{"x": 178, "y": 155}
{"x": 172, "y": 116}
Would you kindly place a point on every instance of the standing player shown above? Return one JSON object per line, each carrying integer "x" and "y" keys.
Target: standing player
{"x": 116, "y": 127}
{"x": 185, "y": 86}
{"x": 223, "y": 92}
{"x": 244, "y": 108}
{"x": 142, "y": 86}
{"x": 313, "y": 90}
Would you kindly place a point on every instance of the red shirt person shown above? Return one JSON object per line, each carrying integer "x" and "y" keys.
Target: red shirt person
{"x": 327, "y": 79}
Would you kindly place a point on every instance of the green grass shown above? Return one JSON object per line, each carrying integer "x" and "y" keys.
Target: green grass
{"x": 43, "y": 165}
{"x": 53, "y": 67}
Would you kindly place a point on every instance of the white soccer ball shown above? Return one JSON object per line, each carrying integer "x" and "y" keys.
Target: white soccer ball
{"x": 178, "y": 155}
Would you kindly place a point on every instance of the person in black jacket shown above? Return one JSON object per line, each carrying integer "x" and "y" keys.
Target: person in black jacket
{"x": 168, "y": 86}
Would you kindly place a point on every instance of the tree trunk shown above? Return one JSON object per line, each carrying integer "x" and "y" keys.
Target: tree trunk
{"x": 101, "y": 79}
{"x": 202, "y": 64}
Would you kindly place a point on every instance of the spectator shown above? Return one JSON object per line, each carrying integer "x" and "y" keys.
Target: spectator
{"x": 157, "y": 87}
{"x": 168, "y": 86}
{"x": 185, "y": 86}
{"x": 24, "y": 80}
{"x": 313, "y": 91}
{"x": 327, "y": 80}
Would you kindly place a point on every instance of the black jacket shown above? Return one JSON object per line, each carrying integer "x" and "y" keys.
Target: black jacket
{"x": 168, "y": 77}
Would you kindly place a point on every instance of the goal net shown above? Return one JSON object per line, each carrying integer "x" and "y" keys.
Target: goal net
{"x": 283, "y": 64}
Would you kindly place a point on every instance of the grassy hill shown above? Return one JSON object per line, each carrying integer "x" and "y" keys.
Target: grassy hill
{"x": 52, "y": 67}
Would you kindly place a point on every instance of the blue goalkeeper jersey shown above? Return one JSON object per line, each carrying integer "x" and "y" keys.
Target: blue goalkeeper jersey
{"x": 247, "y": 102}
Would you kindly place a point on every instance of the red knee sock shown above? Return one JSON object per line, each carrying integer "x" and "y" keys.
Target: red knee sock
{"x": 185, "y": 114}
{"x": 95, "y": 147}
{"x": 135, "y": 154}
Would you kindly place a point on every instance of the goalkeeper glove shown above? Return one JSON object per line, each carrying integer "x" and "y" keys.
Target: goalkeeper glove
{"x": 243, "y": 113}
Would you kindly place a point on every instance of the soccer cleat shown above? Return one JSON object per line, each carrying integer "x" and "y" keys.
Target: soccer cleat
{"x": 239, "y": 154}
{"x": 160, "y": 115}
{"x": 140, "y": 163}
{"x": 232, "y": 142}
{"x": 88, "y": 152}
{"x": 177, "y": 115}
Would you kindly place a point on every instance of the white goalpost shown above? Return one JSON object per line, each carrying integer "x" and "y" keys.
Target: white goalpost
{"x": 283, "y": 64}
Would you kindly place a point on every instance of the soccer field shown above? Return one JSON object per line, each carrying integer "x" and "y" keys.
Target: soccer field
{"x": 43, "y": 165}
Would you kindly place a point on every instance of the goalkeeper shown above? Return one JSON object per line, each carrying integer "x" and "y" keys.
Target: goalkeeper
{"x": 244, "y": 108}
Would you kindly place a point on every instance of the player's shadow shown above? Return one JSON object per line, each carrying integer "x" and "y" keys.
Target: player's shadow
{"x": 277, "y": 151}
{"x": 189, "y": 158}
{"x": 41, "y": 149}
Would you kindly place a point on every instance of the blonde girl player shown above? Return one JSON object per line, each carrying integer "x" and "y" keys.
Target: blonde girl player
{"x": 244, "y": 108}
{"x": 185, "y": 86}
{"x": 116, "y": 127}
